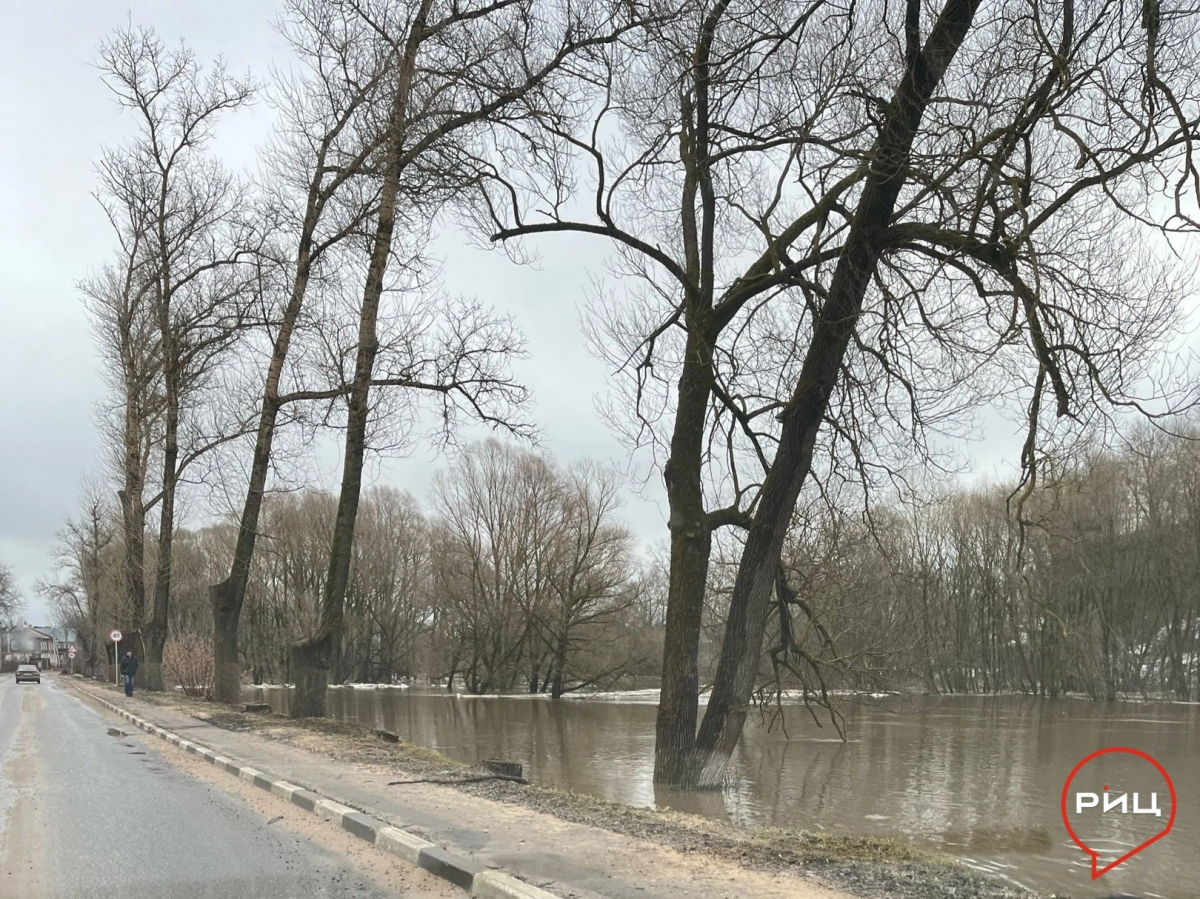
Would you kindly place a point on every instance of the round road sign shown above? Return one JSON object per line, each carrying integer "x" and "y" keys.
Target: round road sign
{"x": 115, "y": 636}
{"x": 71, "y": 654}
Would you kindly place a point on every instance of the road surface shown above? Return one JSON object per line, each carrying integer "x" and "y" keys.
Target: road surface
{"x": 86, "y": 810}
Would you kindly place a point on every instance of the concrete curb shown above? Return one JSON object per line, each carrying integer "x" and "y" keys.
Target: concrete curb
{"x": 463, "y": 872}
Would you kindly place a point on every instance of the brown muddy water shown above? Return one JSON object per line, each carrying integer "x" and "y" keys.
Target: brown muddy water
{"x": 979, "y": 778}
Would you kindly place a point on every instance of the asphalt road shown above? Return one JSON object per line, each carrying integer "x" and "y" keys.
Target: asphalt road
{"x": 86, "y": 813}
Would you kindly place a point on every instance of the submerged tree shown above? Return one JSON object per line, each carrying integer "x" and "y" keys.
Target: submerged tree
{"x": 530, "y": 570}
{"x": 589, "y": 577}
{"x": 491, "y": 546}
{"x": 851, "y": 224}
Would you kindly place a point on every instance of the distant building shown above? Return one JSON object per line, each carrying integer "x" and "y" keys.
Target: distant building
{"x": 29, "y": 645}
{"x": 64, "y": 641}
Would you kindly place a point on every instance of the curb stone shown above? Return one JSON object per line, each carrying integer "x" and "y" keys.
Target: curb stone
{"x": 463, "y": 872}
{"x": 401, "y": 843}
{"x": 495, "y": 885}
{"x": 448, "y": 866}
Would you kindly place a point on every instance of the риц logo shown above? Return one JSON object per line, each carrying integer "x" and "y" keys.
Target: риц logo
{"x": 1091, "y": 800}
{"x": 1116, "y": 804}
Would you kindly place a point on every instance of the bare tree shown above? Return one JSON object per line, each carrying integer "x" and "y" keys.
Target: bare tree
{"x": 286, "y": 580}
{"x": 329, "y": 136}
{"x": 589, "y": 575}
{"x": 498, "y": 517}
{"x": 82, "y": 594}
{"x": 10, "y": 599}
{"x": 532, "y": 572}
{"x": 388, "y": 598}
{"x": 181, "y": 215}
{"x": 121, "y": 316}
{"x": 459, "y": 73}
{"x": 852, "y": 224}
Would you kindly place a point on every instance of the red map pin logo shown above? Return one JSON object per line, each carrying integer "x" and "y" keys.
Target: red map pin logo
{"x": 1095, "y": 856}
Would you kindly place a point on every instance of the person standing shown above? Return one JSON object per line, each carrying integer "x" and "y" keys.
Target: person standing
{"x": 129, "y": 666}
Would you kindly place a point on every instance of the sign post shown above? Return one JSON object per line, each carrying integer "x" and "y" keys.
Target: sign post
{"x": 71, "y": 656}
{"x": 115, "y": 636}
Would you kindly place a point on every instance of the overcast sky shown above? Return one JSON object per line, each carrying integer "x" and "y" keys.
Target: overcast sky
{"x": 56, "y": 114}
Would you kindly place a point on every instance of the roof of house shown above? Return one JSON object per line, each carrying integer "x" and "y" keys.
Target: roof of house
{"x": 25, "y": 638}
{"x": 29, "y": 628}
{"x": 60, "y": 634}
{"x": 57, "y": 634}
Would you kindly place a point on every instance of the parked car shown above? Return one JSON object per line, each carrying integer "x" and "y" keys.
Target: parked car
{"x": 28, "y": 673}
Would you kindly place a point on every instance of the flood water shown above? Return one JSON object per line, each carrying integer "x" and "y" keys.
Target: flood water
{"x": 979, "y": 778}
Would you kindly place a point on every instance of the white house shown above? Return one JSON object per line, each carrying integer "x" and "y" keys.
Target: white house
{"x": 28, "y": 645}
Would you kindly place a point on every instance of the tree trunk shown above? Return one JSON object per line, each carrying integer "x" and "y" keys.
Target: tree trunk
{"x": 802, "y": 418}
{"x": 92, "y": 643}
{"x": 691, "y": 547}
{"x": 133, "y": 510}
{"x": 691, "y": 534}
{"x": 228, "y": 596}
{"x": 151, "y": 670}
{"x": 311, "y": 663}
{"x": 156, "y": 628}
{"x": 227, "y": 669}
{"x": 560, "y": 664}
{"x": 311, "y": 658}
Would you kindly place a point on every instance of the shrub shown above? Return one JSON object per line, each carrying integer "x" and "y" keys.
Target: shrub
{"x": 187, "y": 660}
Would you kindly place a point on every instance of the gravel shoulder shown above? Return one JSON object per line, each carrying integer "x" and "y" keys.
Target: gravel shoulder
{"x": 869, "y": 868}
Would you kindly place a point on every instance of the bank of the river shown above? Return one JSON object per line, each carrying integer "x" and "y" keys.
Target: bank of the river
{"x": 871, "y": 868}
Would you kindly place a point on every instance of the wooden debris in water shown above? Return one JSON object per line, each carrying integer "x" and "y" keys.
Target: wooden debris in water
{"x": 508, "y": 769}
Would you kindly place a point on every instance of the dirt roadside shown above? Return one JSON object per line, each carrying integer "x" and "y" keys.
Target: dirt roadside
{"x": 22, "y": 864}
{"x": 664, "y": 853}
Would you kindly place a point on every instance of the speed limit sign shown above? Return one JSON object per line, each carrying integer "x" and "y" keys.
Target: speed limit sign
{"x": 116, "y": 638}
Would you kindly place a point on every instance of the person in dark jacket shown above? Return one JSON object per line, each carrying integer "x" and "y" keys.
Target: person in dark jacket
{"x": 129, "y": 667}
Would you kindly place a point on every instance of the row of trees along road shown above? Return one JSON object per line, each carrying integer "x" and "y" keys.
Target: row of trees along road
{"x": 835, "y": 230}
{"x": 460, "y": 589}
{"x": 1091, "y": 592}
